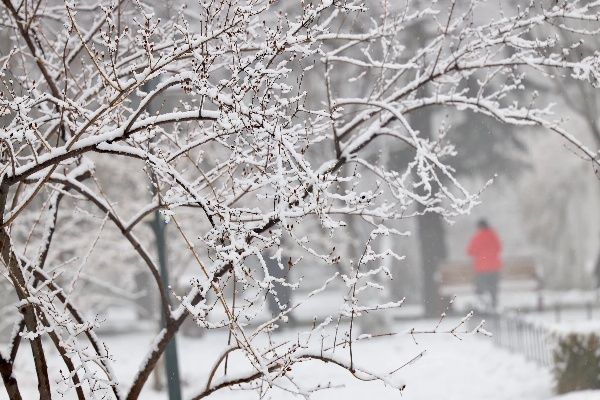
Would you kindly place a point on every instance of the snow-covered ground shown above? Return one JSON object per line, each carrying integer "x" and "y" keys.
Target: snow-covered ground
{"x": 467, "y": 368}
{"x": 471, "y": 368}
{"x": 529, "y": 300}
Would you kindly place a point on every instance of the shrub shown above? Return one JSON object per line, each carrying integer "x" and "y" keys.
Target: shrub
{"x": 576, "y": 357}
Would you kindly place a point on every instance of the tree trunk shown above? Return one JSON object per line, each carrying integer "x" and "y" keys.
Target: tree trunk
{"x": 431, "y": 233}
{"x": 15, "y": 273}
{"x": 432, "y": 248}
{"x": 39, "y": 358}
{"x": 10, "y": 383}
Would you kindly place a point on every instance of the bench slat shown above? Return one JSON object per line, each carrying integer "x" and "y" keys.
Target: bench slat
{"x": 516, "y": 274}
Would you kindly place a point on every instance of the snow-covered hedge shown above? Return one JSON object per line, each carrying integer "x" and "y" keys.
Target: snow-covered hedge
{"x": 576, "y": 355}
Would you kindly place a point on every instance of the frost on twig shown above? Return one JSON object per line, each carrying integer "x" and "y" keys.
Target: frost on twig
{"x": 267, "y": 134}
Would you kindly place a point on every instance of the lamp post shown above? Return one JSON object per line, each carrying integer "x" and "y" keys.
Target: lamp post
{"x": 171, "y": 363}
{"x": 158, "y": 226}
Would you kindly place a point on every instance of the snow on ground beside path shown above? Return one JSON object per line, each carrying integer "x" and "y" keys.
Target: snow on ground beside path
{"x": 472, "y": 368}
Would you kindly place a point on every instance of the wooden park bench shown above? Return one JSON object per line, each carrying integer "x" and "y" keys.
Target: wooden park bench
{"x": 518, "y": 274}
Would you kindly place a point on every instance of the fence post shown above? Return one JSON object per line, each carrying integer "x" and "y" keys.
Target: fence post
{"x": 527, "y": 340}
{"x": 540, "y": 346}
{"x": 511, "y": 332}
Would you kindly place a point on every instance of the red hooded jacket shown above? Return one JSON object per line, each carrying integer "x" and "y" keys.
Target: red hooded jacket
{"x": 484, "y": 248}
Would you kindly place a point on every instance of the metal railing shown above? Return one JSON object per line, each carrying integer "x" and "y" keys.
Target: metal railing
{"x": 516, "y": 334}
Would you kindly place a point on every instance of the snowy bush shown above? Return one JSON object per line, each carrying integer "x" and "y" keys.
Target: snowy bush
{"x": 240, "y": 123}
{"x": 576, "y": 357}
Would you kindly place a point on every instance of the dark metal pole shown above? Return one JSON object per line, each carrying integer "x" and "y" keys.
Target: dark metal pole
{"x": 171, "y": 362}
{"x": 158, "y": 226}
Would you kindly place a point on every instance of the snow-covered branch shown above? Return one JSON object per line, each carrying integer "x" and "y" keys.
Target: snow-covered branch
{"x": 259, "y": 130}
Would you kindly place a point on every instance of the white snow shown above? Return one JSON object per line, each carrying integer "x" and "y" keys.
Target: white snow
{"x": 471, "y": 368}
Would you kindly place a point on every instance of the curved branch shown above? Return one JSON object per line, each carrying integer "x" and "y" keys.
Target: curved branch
{"x": 11, "y": 263}
{"x": 91, "y": 336}
{"x": 83, "y": 190}
{"x": 66, "y": 359}
{"x": 234, "y": 381}
{"x": 359, "y": 373}
{"x": 29, "y": 41}
{"x": 163, "y": 339}
{"x": 96, "y": 143}
{"x": 8, "y": 219}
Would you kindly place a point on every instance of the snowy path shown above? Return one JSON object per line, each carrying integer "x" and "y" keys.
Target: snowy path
{"x": 451, "y": 369}
{"x": 472, "y": 368}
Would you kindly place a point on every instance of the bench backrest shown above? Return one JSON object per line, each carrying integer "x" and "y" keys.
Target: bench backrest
{"x": 519, "y": 269}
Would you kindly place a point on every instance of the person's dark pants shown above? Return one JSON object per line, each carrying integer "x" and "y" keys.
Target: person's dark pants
{"x": 487, "y": 282}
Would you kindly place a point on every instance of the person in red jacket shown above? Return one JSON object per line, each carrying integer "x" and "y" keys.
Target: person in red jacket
{"x": 484, "y": 248}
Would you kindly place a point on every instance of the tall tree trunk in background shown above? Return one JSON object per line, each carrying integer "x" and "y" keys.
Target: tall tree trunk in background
{"x": 595, "y": 129}
{"x": 430, "y": 228}
{"x": 432, "y": 248}
{"x": 431, "y": 233}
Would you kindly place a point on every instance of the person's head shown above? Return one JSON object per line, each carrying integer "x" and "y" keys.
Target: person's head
{"x": 482, "y": 224}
